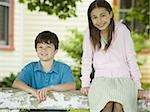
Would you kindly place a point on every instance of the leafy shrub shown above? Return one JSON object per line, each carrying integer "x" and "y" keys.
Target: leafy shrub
{"x": 73, "y": 46}
{"x": 7, "y": 81}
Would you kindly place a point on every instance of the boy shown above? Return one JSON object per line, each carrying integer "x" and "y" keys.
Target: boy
{"x": 46, "y": 74}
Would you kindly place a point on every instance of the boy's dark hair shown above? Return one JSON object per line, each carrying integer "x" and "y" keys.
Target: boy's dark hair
{"x": 47, "y": 37}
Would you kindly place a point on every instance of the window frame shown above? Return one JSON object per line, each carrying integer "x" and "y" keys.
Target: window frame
{"x": 10, "y": 46}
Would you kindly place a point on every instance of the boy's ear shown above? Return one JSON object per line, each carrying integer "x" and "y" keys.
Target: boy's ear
{"x": 56, "y": 51}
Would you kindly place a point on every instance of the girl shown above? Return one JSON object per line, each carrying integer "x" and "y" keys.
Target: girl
{"x": 109, "y": 48}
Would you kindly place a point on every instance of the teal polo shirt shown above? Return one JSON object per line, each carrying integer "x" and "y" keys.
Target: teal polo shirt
{"x": 34, "y": 76}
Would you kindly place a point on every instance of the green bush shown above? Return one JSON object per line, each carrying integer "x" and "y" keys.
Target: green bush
{"x": 73, "y": 46}
{"x": 140, "y": 41}
{"x": 7, "y": 81}
{"x": 146, "y": 86}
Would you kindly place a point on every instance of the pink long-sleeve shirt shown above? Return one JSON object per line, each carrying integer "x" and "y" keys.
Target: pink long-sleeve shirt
{"x": 118, "y": 61}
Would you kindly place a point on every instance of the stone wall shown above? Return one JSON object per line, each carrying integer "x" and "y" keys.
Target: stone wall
{"x": 12, "y": 99}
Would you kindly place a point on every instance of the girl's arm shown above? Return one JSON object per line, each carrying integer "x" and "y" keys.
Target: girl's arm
{"x": 131, "y": 57}
{"x": 87, "y": 56}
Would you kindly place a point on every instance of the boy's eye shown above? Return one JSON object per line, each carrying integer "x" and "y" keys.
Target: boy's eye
{"x": 40, "y": 47}
{"x": 49, "y": 46}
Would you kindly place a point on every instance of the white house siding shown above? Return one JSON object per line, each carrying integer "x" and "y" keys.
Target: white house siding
{"x": 26, "y": 27}
{"x": 145, "y": 68}
{"x": 11, "y": 61}
{"x": 35, "y": 22}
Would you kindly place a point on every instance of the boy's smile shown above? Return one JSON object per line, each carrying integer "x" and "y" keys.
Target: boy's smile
{"x": 46, "y": 51}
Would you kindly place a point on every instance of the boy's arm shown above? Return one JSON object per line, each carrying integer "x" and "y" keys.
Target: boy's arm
{"x": 63, "y": 87}
{"x": 67, "y": 81}
{"x": 22, "y": 86}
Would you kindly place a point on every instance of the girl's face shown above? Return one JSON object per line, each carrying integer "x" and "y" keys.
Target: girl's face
{"x": 46, "y": 52}
{"x": 101, "y": 18}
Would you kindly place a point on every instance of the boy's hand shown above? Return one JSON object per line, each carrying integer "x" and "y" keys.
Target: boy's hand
{"x": 40, "y": 94}
{"x": 35, "y": 94}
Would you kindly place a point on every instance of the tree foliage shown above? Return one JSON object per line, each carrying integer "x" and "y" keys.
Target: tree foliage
{"x": 61, "y": 8}
{"x": 141, "y": 13}
{"x": 139, "y": 42}
{"x": 73, "y": 47}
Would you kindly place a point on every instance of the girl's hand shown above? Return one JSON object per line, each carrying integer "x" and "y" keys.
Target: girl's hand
{"x": 145, "y": 95}
{"x": 85, "y": 90}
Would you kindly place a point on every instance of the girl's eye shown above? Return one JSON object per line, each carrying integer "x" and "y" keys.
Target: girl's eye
{"x": 94, "y": 17}
{"x": 103, "y": 15}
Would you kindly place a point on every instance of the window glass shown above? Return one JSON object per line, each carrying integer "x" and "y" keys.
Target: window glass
{"x": 125, "y": 4}
{"x": 6, "y": 24}
{"x": 4, "y": 18}
{"x": 5, "y": 1}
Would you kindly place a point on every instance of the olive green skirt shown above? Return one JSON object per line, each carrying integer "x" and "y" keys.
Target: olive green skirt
{"x": 120, "y": 90}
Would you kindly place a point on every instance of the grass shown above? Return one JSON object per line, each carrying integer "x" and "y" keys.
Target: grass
{"x": 146, "y": 85}
{"x": 79, "y": 111}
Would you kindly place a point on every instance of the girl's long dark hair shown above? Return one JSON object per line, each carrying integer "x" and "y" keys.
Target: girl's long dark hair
{"x": 94, "y": 32}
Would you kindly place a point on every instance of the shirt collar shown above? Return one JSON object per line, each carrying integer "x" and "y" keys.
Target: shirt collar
{"x": 54, "y": 67}
{"x": 39, "y": 67}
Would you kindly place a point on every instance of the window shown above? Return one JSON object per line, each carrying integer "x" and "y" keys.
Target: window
{"x": 6, "y": 24}
{"x": 124, "y": 7}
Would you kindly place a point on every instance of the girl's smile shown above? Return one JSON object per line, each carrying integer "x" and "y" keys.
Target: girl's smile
{"x": 101, "y": 18}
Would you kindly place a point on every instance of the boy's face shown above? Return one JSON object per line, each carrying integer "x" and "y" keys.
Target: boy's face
{"x": 46, "y": 52}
